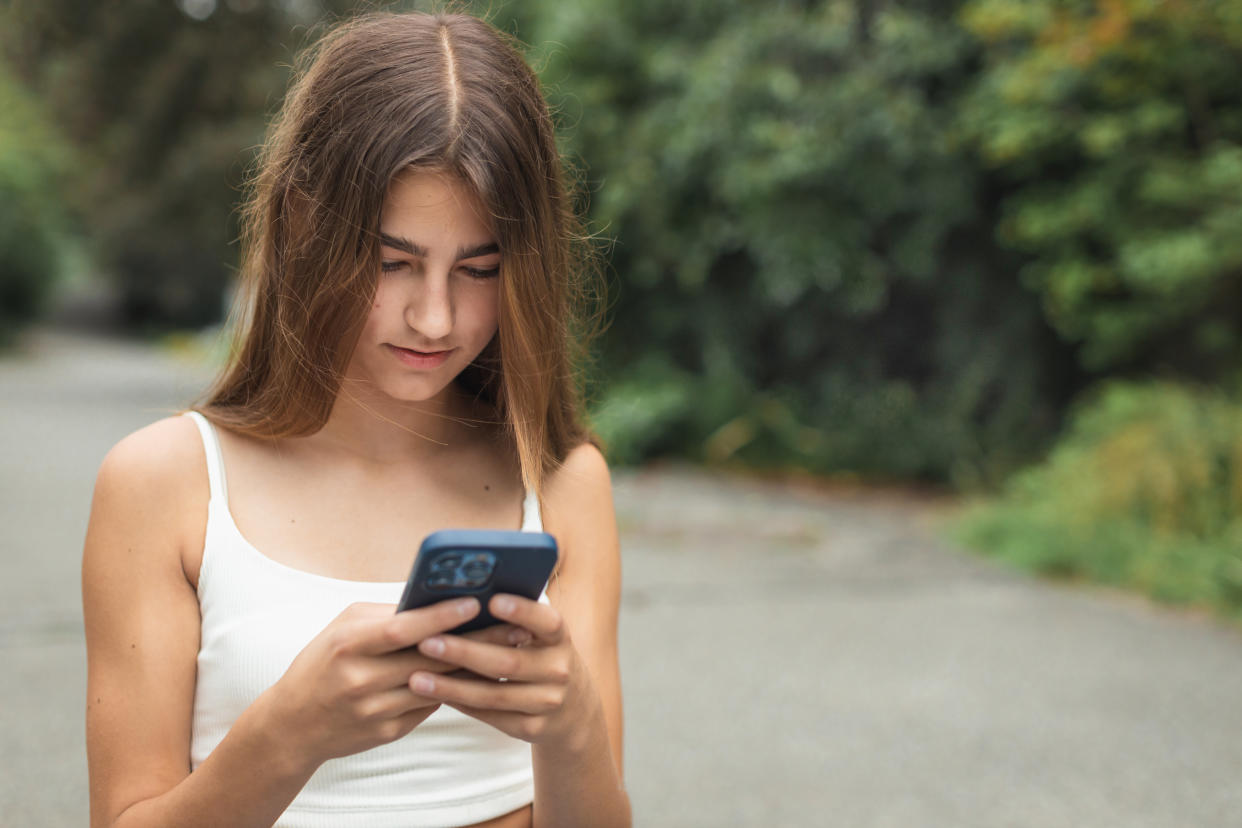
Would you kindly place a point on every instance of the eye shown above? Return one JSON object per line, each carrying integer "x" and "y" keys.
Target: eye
{"x": 389, "y": 267}
{"x": 480, "y": 273}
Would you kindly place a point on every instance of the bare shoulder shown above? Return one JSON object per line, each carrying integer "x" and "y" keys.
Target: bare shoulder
{"x": 579, "y": 509}
{"x": 150, "y": 482}
{"x": 581, "y": 479}
{"x": 160, "y": 450}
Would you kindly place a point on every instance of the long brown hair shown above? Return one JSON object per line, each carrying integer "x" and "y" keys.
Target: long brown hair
{"x": 376, "y": 96}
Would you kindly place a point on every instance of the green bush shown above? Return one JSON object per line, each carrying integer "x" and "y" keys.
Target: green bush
{"x": 804, "y": 250}
{"x": 1144, "y": 490}
{"x": 164, "y": 110}
{"x": 893, "y": 239}
{"x": 30, "y": 241}
{"x": 1118, "y": 127}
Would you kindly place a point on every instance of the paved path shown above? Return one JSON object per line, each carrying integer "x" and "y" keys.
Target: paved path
{"x": 789, "y": 657}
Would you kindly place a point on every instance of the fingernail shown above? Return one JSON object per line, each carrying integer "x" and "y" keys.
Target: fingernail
{"x": 433, "y": 646}
{"x": 423, "y": 684}
{"x": 467, "y": 607}
{"x": 502, "y": 605}
{"x": 519, "y": 636}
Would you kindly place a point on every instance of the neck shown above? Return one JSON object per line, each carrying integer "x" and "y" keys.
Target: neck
{"x": 384, "y": 431}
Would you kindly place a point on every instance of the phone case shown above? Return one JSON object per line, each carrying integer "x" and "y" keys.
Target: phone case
{"x": 455, "y": 563}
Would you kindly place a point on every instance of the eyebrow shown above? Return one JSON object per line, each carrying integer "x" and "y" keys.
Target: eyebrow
{"x": 407, "y": 246}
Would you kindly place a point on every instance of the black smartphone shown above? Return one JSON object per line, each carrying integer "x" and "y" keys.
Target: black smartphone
{"x": 457, "y": 563}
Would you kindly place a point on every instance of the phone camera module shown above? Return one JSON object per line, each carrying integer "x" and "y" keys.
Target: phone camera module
{"x": 455, "y": 570}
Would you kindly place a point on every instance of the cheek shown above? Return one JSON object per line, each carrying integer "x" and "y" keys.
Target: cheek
{"x": 486, "y": 311}
{"x": 379, "y": 304}
{"x": 373, "y": 316}
{"x": 493, "y": 319}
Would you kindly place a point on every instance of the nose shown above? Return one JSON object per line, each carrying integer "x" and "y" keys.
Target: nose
{"x": 429, "y": 308}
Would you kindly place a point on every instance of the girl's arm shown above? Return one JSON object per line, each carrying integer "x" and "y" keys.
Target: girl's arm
{"x": 346, "y": 691}
{"x": 581, "y": 782}
{"x": 142, "y": 628}
{"x": 563, "y": 692}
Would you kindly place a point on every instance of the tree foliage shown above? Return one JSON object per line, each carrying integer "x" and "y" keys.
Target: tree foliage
{"x": 33, "y": 162}
{"x": 894, "y": 237}
{"x": 805, "y": 267}
{"x": 1117, "y": 126}
{"x": 164, "y": 111}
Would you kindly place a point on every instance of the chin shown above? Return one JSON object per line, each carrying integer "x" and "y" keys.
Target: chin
{"x": 414, "y": 395}
{"x": 423, "y": 389}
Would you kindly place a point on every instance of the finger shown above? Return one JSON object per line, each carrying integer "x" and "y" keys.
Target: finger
{"x": 405, "y": 629}
{"x": 542, "y": 620}
{"x": 412, "y": 719}
{"x": 398, "y": 666}
{"x": 394, "y": 669}
{"x": 503, "y": 634}
{"x": 516, "y": 697}
{"x": 389, "y": 704}
{"x": 518, "y": 725}
{"x": 490, "y": 660}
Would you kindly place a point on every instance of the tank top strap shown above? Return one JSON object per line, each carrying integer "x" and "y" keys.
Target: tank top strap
{"x": 215, "y": 459}
{"x": 532, "y": 520}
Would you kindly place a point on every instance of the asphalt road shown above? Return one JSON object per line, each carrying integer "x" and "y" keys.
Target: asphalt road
{"x": 790, "y": 656}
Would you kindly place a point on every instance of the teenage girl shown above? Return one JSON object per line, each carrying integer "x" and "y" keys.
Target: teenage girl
{"x": 403, "y": 366}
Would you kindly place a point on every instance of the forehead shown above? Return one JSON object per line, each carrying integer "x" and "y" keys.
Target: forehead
{"x": 420, "y": 204}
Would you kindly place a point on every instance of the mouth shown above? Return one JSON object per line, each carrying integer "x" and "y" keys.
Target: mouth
{"x": 419, "y": 359}
{"x": 420, "y": 352}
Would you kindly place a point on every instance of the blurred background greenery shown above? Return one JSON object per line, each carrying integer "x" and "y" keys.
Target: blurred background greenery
{"x": 992, "y": 245}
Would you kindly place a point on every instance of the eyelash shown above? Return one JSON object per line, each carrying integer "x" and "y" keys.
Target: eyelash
{"x": 491, "y": 273}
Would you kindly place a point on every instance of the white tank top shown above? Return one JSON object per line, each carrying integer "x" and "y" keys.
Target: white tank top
{"x": 257, "y": 614}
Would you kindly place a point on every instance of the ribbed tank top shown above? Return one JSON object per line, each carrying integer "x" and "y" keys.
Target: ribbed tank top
{"x": 257, "y": 614}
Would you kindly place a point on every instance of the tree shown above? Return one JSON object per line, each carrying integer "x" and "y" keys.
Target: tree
{"x": 1117, "y": 127}
{"x": 804, "y": 256}
{"x": 163, "y": 110}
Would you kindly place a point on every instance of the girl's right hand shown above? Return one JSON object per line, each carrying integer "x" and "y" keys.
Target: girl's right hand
{"x": 348, "y": 690}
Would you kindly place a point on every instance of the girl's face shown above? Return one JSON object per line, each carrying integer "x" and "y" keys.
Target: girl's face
{"x": 437, "y": 300}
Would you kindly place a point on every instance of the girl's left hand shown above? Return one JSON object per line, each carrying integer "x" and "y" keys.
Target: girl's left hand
{"x": 533, "y": 690}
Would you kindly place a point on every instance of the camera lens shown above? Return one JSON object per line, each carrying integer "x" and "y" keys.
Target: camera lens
{"x": 446, "y": 562}
{"x": 440, "y": 580}
{"x": 477, "y": 568}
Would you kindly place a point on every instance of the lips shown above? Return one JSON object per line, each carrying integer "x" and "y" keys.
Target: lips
{"x": 419, "y": 351}
{"x": 419, "y": 359}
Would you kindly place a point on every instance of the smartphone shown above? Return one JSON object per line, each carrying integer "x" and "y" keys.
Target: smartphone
{"x": 457, "y": 563}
